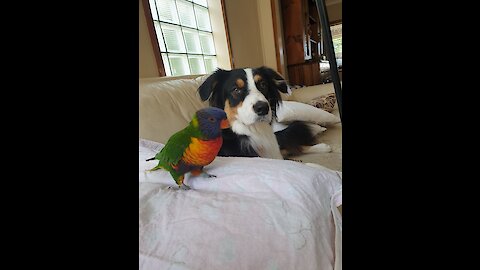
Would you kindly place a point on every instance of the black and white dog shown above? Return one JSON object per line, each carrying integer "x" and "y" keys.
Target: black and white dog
{"x": 250, "y": 98}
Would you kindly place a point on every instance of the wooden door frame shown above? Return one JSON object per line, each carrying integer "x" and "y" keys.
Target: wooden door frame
{"x": 279, "y": 46}
{"x": 153, "y": 38}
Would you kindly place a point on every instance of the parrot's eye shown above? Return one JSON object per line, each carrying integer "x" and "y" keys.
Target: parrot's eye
{"x": 211, "y": 119}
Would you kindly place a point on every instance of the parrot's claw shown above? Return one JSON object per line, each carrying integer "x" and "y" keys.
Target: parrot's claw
{"x": 182, "y": 187}
{"x": 185, "y": 187}
{"x": 204, "y": 174}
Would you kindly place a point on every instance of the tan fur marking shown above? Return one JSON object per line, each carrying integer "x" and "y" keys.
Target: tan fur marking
{"x": 231, "y": 111}
{"x": 257, "y": 78}
{"x": 240, "y": 83}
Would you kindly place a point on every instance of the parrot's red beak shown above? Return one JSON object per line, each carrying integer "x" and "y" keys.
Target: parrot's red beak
{"x": 224, "y": 124}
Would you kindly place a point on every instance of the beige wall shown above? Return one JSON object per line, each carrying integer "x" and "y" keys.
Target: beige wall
{"x": 243, "y": 25}
{"x": 335, "y": 12}
{"x": 251, "y": 33}
{"x": 264, "y": 9}
{"x": 146, "y": 58}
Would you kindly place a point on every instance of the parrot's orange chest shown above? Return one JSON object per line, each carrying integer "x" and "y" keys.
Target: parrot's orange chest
{"x": 202, "y": 153}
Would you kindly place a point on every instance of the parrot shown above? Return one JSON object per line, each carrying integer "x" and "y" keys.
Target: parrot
{"x": 193, "y": 147}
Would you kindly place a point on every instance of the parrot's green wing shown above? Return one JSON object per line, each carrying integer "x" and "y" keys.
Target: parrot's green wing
{"x": 173, "y": 150}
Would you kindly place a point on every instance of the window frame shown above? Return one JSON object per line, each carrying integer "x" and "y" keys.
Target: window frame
{"x": 158, "y": 53}
{"x": 153, "y": 38}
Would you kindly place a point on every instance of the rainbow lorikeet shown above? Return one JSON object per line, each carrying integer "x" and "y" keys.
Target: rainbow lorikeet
{"x": 193, "y": 147}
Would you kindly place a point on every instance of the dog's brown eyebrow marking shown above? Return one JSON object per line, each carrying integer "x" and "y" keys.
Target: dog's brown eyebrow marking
{"x": 257, "y": 78}
{"x": 240, "y": 83}
{"x": 231, "y": 111}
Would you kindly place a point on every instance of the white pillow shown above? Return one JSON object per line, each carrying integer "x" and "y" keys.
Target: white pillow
{"x": 290, "y": 111}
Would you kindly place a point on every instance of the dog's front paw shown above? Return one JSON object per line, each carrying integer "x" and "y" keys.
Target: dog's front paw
{"x": 320, "y": 148}
{"x": 325, "y": 147}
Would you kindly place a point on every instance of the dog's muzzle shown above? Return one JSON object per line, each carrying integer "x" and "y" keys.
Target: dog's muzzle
{"x": 261, "y": 108}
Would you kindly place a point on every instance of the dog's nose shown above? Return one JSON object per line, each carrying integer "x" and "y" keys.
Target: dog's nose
{"x": 261, "y": 108}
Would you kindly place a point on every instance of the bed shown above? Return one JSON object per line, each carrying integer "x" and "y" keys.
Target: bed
{"x": 256, "y": 214}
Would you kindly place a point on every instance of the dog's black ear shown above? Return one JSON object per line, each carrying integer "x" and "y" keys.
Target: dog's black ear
{"x": 206, "y": 89}
{"x": 280, "y": 82}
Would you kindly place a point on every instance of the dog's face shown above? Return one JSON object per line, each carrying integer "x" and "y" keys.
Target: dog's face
{"x": 246, "y": 95}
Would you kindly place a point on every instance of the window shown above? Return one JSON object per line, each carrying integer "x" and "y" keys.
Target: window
{"x": 337, "y": 39}
{"x": 184, "y": 35}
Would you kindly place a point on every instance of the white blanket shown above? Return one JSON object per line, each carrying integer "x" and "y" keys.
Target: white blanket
{"x": 256, "y": 214}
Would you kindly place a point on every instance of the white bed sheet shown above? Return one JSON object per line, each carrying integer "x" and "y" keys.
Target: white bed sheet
{"x": 256, "y": 214}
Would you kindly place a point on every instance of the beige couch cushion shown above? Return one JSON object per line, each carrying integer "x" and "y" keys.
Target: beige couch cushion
{"x": 307, "y": 94}
{"x": 167, "y": 105}
{"x": 332, "y": 136}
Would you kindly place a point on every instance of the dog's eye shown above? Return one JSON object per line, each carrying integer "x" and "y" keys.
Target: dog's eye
{"x": 237, "y": 91}
{"x": 263, "y": 84}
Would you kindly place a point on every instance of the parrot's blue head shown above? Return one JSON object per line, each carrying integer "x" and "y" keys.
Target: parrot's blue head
{"x": 211, "y": 121}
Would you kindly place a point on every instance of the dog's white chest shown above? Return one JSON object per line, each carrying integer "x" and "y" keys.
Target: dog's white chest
{"x": 261, "y": 137}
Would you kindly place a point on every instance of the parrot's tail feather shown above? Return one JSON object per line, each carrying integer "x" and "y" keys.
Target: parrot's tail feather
{"x": 150, "y": 159}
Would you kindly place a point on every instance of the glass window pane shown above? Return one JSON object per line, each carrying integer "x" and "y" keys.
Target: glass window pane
{"x": 159, "y": 37}
{"x": 166, "y": 64}
{"x": 201, "y": 2}
{"x": 336, "y": 31}
{"x": 153, "y": 9}
{"x": 167, "y": 11}
{"x": 206, "y": 41}
{"x": 337, "y": 40}
{"x": 203, "y": 19}
{"x": 337, "y": 47}
{"x": 196, "y": 64}
{"x": 179, "y": 64}
{"x": 192, "y": 41}
{"x": 173, "y": 38}
{"x": 184, "y": 50}
{"x": 210, "y": 64}
{"x": 185, "y": 12}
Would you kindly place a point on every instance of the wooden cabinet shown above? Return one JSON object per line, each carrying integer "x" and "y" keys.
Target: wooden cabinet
{"x": 302, "y": 34}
